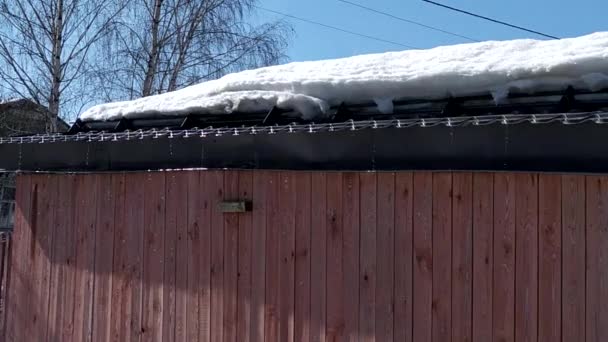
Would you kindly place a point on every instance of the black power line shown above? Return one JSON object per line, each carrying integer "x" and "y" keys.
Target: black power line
{"x": 408, "y": 20}
{"x": 490, "y": 19}
{"x": 335, "y": 28}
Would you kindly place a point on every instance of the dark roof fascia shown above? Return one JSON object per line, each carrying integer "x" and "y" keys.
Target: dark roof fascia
{"x": 573, "y": 143}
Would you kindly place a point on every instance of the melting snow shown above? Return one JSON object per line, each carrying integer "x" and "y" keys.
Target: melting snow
{"x": 311, "y": 88}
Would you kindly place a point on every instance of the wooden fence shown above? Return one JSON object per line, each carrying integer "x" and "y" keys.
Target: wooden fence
{"x": 322, "y": 257}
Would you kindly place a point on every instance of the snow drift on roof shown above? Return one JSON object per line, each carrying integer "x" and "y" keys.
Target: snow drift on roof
{"x": 311, "y": 88}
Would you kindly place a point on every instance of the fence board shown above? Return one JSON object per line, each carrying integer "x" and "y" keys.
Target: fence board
{"x": 302, "y": 262}
{"x": 272, "y": 314}
{"x": 244, "y": 259}
{"x": 258, "y": 249}
{"x": 153, "y": 257}
{"x": 350, "y": 255}
{"x": 423, "y": 256}
{"x": 483, "y": 251}
{"x": 462, "y": 256}
{"x": 367, "y": 278}
{"x": 385, "y": 256}
{"x": 442, "y": 257}
{"x": 231, "y": 240}
{"x": 573, "y": 253}
{"x": 335, "y": 232}
{"x": 504, "y": 258}
{"x": 215, "y": 183}
{"x": 597, "y": 259}
{"x": 549, "y": 259}
{"x": 403, "y": 256}
{"x": 119, "y": 278}
{"x": 526, "y": 262}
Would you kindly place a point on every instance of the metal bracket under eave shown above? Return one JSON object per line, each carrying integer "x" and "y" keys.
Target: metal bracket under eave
{"x": 568, "y": 100}
{"x": 271, "y": 117}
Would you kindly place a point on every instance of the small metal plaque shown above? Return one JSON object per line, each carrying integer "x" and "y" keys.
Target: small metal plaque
{"x": 235, "y": 206}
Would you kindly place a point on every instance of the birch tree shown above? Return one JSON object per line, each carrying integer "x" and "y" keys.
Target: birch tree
{"x": 45, "y": 46}
{"x": 163, "y": 45}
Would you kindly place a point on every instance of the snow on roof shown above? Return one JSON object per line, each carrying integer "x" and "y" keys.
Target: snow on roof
{"x": 311, "y": 88}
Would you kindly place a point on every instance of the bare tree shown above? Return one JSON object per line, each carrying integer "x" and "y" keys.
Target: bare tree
{"x": 45, "y": 46}
{"x": 163, "y": 45}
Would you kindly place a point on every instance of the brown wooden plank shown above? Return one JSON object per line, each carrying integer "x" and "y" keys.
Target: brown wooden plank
{"x": 4, "y": 280}
{"x": 176, "y": 194}
{"x": 182, "y": 255}
{"x": 302, "y": 262}
{"x": 318, "y": 257}
{"x": 573, "y": 253}
{"x": 42, "y": 253}
{"x": 134, "y": 238}
{"x": 597, "y": 259}
{"x": 423, "y": 256}
{"x": 193, "y": 239}
{"x": 504, "y": 257}
{"x": 335, "y": 232}
{"x": 350, "y": 255}
{"x": 287, "y": 243}
{"x": 216, "y": 183}
{"x": 526, "y": 257}
{"x": 104, "y": 259}
{"x": 153, "y": 256}
{"x": 385, "y": 256}
{"x": 68, "y": 279}
{"x": 483, "y": 232}
{"x": 244, "y": 259}
{"x": 550, "y": 263}
{"x": 258, "y": 249}
{"x": 119, "y": 267}
{"x": 462, "y": 256}
{"x": 442, "y": 257}
{"x": 206, "y": 198}
{"x": 272, "y": 313}
{"x": 19, "y": 300}
{"x": 85, "y": 218}
{"x": 231, "y": 234}
{"x": 367, "y": 255}
{"x": 403, "y": 256}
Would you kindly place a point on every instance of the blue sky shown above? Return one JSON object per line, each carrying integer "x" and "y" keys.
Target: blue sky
{"x": 310, "y": 42}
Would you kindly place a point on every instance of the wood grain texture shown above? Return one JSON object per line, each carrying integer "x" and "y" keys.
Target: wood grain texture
{"x": 423, "y": 256}
{"x": 403, "y": 322}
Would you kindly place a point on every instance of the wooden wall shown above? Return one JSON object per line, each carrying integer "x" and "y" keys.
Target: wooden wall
{"x": 322, "y": 257}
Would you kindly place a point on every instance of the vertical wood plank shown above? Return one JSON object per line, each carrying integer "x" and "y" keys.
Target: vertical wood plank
{"x": 318, "y": 258}
{"x": 206, "y": 203}
{"x": 193, "y": 259}
{"x": 182, "y": 295}
{"x": 504, "y": 257}
{"x": 258, "y": 249}
{"x": 287, "y": 200}
{"x": 86, "y": 210}
{"x": 153, "y": 256}
{"x": 42, "y": 238}
{"x": 442, "y": 257}
{"x": 350, "y": 252}
{"x": 134, "y": 226}
{"x": 68, "y": 280}
{"x": 19, "y": 301}
{"x": 367, "y": 261}
{"x": 462, "y": 256}
{"x": 483, "y": 232}
{"x": 104, "y": 259}
{"x": 573, "y": 253}
{"x": 175, "y": 194}
{"x": 216, "y": 180}
{"x": 550, "y": 263}
{"x": 526, "y": 257}
{"x": 273, "y": 239}
{"x": 385, "y": 256}
{"x": 423, "y": 256}
{"x": 403, "y": 256}
{"x": 597, "y": 259}
{"x": 231, "y": 231}
{"x": 244, "y": 259}
{"x": 119, "y": 267}
{"x": 335, "y": 233}
{"x": 302, "y": 263}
